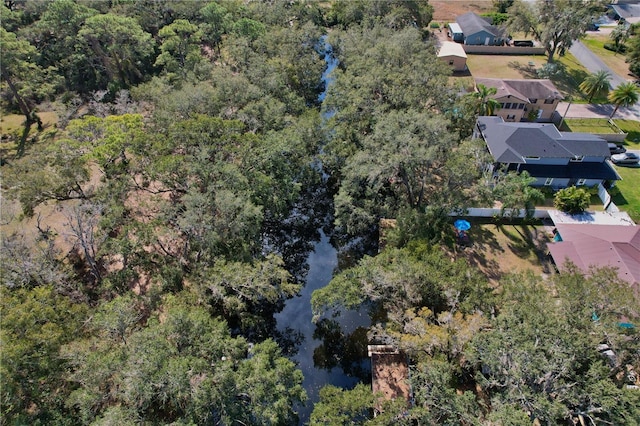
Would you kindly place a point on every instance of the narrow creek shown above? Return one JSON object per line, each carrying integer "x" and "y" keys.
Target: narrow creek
{"x": 332, "y": 351}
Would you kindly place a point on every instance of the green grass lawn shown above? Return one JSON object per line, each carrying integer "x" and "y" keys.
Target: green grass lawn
{"x": 12, "y": 127}
{"x": 627, "y": 194}
{"x": 588, "y": 125}
{"x": 615, "y": 61}
{"x": 628, "y": 198}
{"x": 632, "y": 127}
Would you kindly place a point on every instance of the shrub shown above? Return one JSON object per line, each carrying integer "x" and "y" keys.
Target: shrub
{"x": 572, "y": 200}
{"x": 496, "y": 18}
{"x": 612, "y": 47}
{"x": 434, "y": 25}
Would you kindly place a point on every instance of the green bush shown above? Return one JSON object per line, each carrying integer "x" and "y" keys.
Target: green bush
{"x": 434, "y": 25}
{"x": 496, "y": 18}
{"x": 572, "y": 200}
{"x": 612, "y": 47}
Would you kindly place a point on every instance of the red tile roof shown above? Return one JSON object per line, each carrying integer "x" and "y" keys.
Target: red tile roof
{"x": 600, "y": 245}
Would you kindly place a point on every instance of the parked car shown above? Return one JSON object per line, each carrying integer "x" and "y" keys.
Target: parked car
{"x": 626, "y": 158}
{"x": 616, "y": 148}
{"x": 523, "y": 43}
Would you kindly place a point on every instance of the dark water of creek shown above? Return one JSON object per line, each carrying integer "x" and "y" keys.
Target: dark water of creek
{"x": 332, "y": 351}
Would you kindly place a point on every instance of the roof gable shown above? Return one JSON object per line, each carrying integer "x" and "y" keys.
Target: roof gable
{"x": 450, "y": 48}
{"x": 512, "y": 142}
{"x": 522, "y": 89}
{"x": 471, "y": 23}
{"x": 600, "y": 245}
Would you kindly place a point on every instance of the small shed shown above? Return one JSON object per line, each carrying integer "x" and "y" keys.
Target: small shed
{"x": 455, "y": 32}
{"x": 389, "y": 375}
{"x": 453, "y": 54}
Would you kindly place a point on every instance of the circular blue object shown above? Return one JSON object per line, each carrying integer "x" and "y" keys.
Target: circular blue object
{"x": 462, "y": 225}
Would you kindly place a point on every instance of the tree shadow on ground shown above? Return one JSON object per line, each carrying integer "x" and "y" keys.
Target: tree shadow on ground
{"x": 482, "y": 241}
{"x": 527, "y": 70}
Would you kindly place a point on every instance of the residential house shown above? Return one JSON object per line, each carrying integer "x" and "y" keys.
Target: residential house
{"x": 478, "y": 31}
{"x": 555, "y": 159}
{"x": 626, "y": 10}
{"x": 588, "y": 245}
{"x": 453, "y": 54}
{"x": 518, "y": 98}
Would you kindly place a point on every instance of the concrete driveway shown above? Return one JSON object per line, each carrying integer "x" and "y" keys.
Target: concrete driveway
{"x": 597, "y": 111}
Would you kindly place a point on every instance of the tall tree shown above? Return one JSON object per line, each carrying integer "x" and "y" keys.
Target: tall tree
{"x": 55, "y": 36}
{"x": 625, "y": 95}
{"x": 596, "y": 83}
{"x": 216, "y": 22}
{"x": 633, "y": 50}
{"x": 619, "y": 35}
{"x": 34, "y": 324}
{"x": 28, "y": 83}
{"x": 398, "y": 166}
{"x": 120, "y": 49}
{"x": 555, "y": 24}
{"x": 515, "y": 192}
{"x": 535, "y": 358}
{"x": 180, "y": 48}
{"x": 183, "y": 366}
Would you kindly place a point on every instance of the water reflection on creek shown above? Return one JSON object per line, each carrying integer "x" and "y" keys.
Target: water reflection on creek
{"x": 333, "y": 351}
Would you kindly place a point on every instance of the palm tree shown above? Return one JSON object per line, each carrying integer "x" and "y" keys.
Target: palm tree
{"x": 487, "y": 105}
{"x": 625, "y": 95}
{"x": 595, "y": 83}
{"x": 619, "y": 36}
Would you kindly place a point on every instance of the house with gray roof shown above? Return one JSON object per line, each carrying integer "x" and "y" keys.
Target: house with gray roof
{"x": 519, "y": 98}
{"x": 555, "y": 159}
{"x": 626, "y": 10}
{"x": 478, "y": 31}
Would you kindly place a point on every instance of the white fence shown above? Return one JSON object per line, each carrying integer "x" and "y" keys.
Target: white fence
{"x": 609, "y": 205}
{"x": 513, "y": 213}
{"x": 502, "y": 50}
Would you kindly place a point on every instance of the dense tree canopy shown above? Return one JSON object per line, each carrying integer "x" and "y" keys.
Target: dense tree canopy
{"x": 168, "y": 212}
{"x": 555, "y": 24}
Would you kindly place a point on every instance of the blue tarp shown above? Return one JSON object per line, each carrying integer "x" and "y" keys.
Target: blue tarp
{"x": 462, "y": 225}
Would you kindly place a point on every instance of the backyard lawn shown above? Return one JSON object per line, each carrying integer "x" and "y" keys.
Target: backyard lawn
{"x": 567, "y": 79}
{"x": 501, "y": 249}
{"x": 588, "y": 125}
{"x": 632, "y": 127}
{"x": 627, "y": 195}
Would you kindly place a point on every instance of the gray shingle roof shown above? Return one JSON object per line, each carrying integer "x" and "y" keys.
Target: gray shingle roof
{"x": 510, "y": 142}
{"x": 472, "y": 23}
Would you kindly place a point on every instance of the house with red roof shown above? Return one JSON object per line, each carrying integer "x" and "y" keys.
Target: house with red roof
{"x": 594, "y": 245}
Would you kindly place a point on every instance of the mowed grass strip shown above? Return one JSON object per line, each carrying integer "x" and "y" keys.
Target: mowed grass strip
{"x": 627, "y": 194}
{"x": 589, "y": 125}
{"x": 615, "y": 61}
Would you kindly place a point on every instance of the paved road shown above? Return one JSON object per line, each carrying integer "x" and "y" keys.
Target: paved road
{"x": 593, "y": 63}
